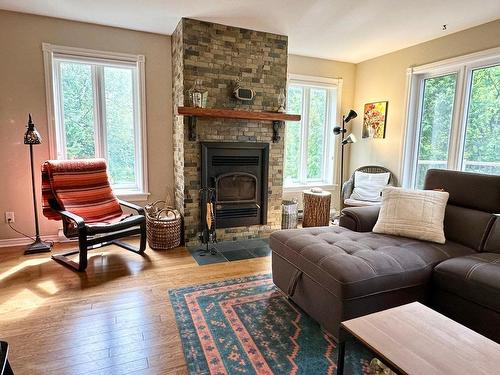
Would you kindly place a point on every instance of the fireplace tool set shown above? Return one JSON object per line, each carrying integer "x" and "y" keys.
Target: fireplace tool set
{"x": 208, "y": 235}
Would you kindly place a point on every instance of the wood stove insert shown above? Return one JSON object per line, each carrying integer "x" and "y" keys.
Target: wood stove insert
{"x": 238, "y": 172}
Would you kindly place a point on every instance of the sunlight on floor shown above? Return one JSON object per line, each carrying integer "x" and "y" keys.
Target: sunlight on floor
{"x": 48, "y": 287}
{"x": 23, "y": 303}
{"x": 21, "y": 266}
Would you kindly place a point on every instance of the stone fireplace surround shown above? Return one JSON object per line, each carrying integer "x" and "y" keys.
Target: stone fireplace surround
{"x": 218, "y": 55}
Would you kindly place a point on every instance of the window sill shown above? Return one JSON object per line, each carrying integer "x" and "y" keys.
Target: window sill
{"x": 132, "y": 196}
{"x": 300, "y": 188}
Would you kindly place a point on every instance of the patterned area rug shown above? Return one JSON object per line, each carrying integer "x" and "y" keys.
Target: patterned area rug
{"x": 246, "y": 326}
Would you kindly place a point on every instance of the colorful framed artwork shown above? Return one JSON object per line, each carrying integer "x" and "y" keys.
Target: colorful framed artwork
{"x": 375, "y": 117}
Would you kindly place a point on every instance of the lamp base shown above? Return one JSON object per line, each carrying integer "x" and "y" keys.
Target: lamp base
{"x": 38, "y": 246}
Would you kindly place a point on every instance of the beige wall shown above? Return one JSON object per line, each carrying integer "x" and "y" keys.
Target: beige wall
{"x": 384, "y": 78}
{"x": 328, "y": 69}
{"x": 22, "y": 90}
{"x": 311, "y": 66}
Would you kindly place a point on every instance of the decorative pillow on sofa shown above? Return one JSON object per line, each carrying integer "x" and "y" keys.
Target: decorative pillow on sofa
{"x": 412, "y": 213}
{"x": 368, "y": 186}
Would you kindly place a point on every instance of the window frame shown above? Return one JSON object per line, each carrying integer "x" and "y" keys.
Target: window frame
{"x": 463, "y": 67}
{"x": 329, "y": 179}
{"x": 53, "y": 56}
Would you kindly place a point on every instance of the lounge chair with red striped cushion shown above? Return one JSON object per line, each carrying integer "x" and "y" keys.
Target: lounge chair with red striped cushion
{"x": 78, "y": 193}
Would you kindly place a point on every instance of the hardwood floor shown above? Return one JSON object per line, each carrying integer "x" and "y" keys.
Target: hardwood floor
{"x": 114, "y": 319}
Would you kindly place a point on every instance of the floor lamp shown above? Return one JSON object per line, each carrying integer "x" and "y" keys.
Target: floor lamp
{"x": 32, "y": 137}
{"x": 344, "y": 141}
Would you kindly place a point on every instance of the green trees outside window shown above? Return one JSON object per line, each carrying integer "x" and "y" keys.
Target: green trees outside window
{"x": 479, "y": 141}
{"x": 436, "y": 116}
{"x": 77, "y": 95}
{"x": 307, "y": 153}
{"x": 482, "y": 133}
{"x": 98, "y": 116}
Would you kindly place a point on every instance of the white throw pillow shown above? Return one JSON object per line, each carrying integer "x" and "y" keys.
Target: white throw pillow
{"x": 412, "y": 213}
{"x": 368, "y": 186}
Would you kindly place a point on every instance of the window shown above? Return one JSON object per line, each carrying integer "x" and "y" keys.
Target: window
{"x": 96, "y": 105}
{"x": 454, "y": 117}
{"x": 308, "y": 143}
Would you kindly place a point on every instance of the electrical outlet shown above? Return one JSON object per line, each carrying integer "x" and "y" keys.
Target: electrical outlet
{"x": 9, "y": 217}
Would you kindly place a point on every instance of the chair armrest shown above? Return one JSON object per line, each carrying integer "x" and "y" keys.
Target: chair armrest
{"x": 359, "y": 219}
{"x": 139, "y": 209}
{"x": 80, "y": 223}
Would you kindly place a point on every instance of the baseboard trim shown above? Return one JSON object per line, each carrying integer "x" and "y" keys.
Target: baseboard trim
{"x": 26, "y": 241}
{"x": 20, "y": 241}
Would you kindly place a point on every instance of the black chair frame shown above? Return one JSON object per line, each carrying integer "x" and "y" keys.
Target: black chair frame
{"x": 88, "y": 242}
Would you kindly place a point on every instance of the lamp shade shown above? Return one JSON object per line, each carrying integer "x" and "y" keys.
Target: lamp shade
{"x": 352, "y": 114}
{"x": 349, "y": 139}
{"x": 337, "y": 130}
{"x": 32, "y": 137}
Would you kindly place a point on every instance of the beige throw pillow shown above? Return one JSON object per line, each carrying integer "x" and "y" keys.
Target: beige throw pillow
{"x": 412, "y": 213}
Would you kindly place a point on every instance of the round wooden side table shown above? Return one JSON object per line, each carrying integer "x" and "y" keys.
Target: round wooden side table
{"x": 316, "y": 208}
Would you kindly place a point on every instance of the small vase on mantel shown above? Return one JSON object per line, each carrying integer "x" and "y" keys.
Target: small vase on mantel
{"x": 198, "y": 95}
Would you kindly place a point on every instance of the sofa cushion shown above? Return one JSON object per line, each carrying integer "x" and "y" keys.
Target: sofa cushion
{"x": 474, "y": 277}
{"x": 474, "y": 197}
{"x": 471, "y": 190}
{"x": 467, "y": 226}
{"x": 492, "y": 243}
{"x": 417, "y": 214}
{"x": 353, "y": 265}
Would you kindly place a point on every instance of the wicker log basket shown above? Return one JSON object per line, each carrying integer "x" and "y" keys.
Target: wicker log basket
{"x": 164, "y": 226}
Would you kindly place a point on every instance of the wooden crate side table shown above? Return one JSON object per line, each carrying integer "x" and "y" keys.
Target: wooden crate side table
{"x": 316, "y": 208}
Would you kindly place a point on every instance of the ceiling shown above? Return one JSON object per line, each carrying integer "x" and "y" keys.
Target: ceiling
{"x": 345, "y": 30}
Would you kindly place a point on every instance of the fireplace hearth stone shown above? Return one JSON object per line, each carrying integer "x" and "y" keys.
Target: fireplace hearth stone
{"x": 230, "y": 251}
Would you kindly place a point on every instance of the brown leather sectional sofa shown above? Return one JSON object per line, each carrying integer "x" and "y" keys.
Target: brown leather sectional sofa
{"x": 341, "y": 272}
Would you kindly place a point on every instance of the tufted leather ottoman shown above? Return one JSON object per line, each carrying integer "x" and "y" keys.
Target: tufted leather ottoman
{"x": 335, "y": 274}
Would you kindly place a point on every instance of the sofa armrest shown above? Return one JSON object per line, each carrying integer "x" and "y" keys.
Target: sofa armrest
{"x": 359, "y": 219}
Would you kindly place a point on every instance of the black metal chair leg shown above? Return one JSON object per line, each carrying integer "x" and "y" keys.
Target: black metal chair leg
{"x": 126, "y": 246}
{"x": 142, "y": 246}
{"x": 82, "y": 254}
{"x": 65, "y": 261}
{"x": 86, "y": 243}
{"x": 82, "y": 245}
